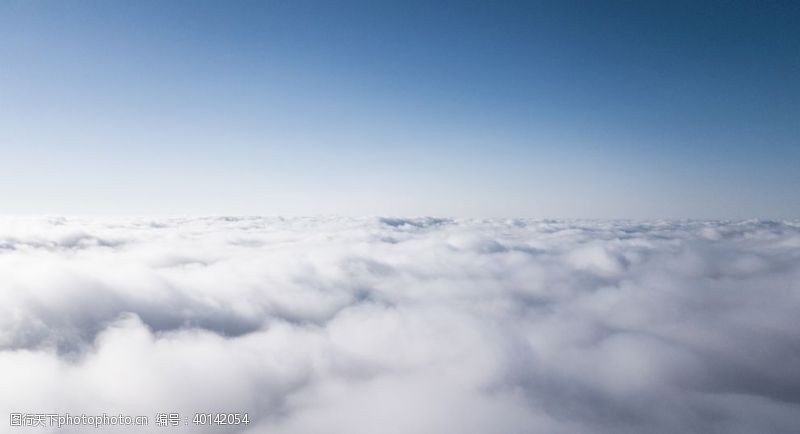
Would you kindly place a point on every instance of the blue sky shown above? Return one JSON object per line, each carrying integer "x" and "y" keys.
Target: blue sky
{"x": 533, "y": 109}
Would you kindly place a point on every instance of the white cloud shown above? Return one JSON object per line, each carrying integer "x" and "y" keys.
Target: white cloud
{"x": 405, "y": 325}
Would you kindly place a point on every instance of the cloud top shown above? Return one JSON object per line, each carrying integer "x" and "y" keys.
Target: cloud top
{"x": 393, "y": 325}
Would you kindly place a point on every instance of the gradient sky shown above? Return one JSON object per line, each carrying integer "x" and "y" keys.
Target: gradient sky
{"x": 534, "y": 109}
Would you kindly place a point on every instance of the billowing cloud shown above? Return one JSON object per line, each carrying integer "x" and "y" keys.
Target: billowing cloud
{"x": 405, "y": 325}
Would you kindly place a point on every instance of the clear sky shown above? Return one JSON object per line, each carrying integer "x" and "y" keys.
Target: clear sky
{"x": 534, "y": 109}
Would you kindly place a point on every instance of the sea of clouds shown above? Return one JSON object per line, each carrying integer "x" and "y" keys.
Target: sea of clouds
{"x": 383, "y": 326}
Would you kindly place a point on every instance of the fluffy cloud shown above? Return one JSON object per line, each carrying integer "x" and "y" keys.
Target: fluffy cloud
{"x": 405, "y": 325}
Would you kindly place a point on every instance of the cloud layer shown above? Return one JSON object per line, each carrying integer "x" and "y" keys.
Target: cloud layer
{"x": 405, "y": 325}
